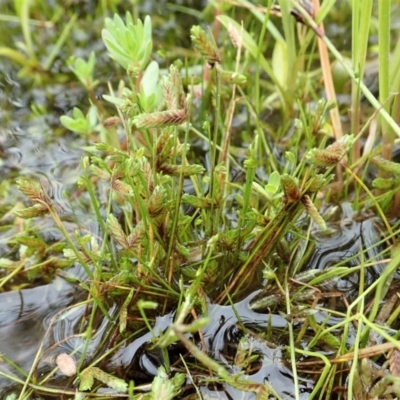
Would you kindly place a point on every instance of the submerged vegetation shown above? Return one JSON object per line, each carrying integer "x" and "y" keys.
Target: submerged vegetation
{"x": 222, "y": 218}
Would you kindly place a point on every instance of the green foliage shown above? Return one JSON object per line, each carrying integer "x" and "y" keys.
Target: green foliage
{"x": 79, "y": 123}
{"x": 88, "y": 376}
{"x": 128, "y": 43}
{"x": 84, "y": 70}
{"x": 165, "y": 388}
{"x": 150, "y": 94}
{"x": 186, "y": 217}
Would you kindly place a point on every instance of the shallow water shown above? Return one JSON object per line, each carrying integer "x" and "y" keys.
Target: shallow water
{"x": 29, "y": 319}
{"x": 352, "y": 233}
{"x": 34, "y": 145}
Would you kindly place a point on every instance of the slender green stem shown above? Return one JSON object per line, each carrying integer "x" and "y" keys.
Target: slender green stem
{"x": 265, "y": 21}
{"x": 384, "y": 9}
{"x": 292, "y": 345}
{"x": 364, "y": 89}
{"x": 60, "y": 42}
{"x": 361, "y": 17}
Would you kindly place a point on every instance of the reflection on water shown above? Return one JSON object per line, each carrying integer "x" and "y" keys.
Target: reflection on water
{"x": 25, "y": 316}
{"x": 30, "y": 147}
{"x": 221, "y": 336}
{"x": 343, "y": 248}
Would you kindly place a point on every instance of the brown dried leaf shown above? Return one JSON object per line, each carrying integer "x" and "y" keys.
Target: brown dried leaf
{"x": 394, "y": 362}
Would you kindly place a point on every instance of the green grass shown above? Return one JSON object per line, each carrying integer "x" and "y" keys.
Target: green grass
{"x": 213, "y": 171}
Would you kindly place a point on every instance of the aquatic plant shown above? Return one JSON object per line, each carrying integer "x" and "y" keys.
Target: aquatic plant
{"x": 184, "y": 231}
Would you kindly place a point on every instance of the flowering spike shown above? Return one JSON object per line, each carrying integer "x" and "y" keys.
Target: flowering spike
{"x": 291, "y": 188}
{"x": 313, "y": 212}
{"x": 160, "y": 119}
{"x": 116, "y": 231}
{"x": 332, "y": 154}
{"x": 205, "y": 46}
{"x": 386, "y": 165}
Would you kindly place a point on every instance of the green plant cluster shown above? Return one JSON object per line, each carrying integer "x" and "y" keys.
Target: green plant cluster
{"x": 176, "y": 234}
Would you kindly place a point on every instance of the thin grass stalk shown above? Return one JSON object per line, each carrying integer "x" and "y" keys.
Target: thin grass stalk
{"x": 251, "y": 46}
{"x": 292, "y": 345}
{"x": 384, "y": 84}
{"x": 263, "y": 246}
{"x": 61, "y": 227}
{"x": 232, "y": 105}
{"x": 355, "y": 88}
{"x": 373, "y": 199}
{"x": 259, "y": 389}
{"x": 213, "y": 227}
{"x": 360, "y": 317}
{"x": 338, "y": 56}
{"x": 395, "y": 82}
{"x": 288, "y": 29}
{"x": 88, "y": 337}
{"x": 93, "y": 201}
{"x": 177, "y": 204}
{"x": 259, "y": 12}
{"x": 361, "y": 20}
{"x": 388, "y": 81}
{"x": 17, "y": 269}
{"x": 261, "y": 38}
{"x": 384, "y": 282}
{"x": 330, "y": 384}
{"x": 358, "y": 340}
{"x": 11, "y": 378}
{"x": 329, "y": 87}
{"x": 23, "y": 8}
{"x": 56, "y": 49}
{"x": 324, "y": 374}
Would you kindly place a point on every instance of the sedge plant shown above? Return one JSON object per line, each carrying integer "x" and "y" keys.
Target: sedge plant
{"x": 176, "y": 234}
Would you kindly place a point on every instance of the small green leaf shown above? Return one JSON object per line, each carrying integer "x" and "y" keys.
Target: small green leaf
{"x": 386, "y": 165}
{"x": 274, "y": 182}
{"x": 385, "y": 184}
{"x": 232, "y": 77}
{"x": 150, "y": 94}
{"x": 328, "y": 338}
{"x": 280, "y": 62}
{"x": 291, "y": 157}
{"x": 87, "y": 379}
{"x": 165, "y": 388}
{"x": 147, "y": 305}
{"x": 79, "y": 123}
{"x": 88, "y": 376}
